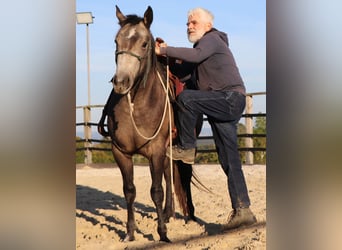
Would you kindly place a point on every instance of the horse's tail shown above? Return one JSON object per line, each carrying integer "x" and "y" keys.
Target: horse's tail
{"x": 179, "y": 184}
{"x": 183, "y": 176}
{"x": 198, "y": 184}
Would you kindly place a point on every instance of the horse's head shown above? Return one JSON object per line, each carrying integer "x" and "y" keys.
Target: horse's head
{"x": 134, "y": 46}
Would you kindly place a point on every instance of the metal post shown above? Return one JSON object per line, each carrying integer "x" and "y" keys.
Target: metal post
{"x": 88, "y": 64}
{"x": 249, "y": 129}
{"x": 87, "y": 132}
{"x": 87, "y": 18}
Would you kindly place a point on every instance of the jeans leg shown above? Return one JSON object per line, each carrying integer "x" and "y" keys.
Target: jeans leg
{"x": 188, "y": 116}
{"x": 222, "y": 106}
{"x": 225, "y": 136}
{"x": 223, "y": 110}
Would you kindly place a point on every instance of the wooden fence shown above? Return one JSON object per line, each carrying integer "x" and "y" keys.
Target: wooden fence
{"x": 249, "y": 135}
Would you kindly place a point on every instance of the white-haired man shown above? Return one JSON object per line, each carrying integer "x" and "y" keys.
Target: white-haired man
{"x": 219, "y": 94}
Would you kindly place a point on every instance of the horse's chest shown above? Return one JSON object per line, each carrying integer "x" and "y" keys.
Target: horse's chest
{"x": 127, "y": 123}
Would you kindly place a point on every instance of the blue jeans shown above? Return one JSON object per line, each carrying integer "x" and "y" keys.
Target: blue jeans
{"x": 224, "y": 110}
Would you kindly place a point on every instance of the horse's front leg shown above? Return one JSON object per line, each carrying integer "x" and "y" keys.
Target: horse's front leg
{"x": 169, "y": 208}
{"x": 157, "y": 194}
{"x": 126, "y": 168}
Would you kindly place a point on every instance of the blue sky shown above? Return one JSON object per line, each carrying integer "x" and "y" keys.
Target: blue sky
{"x": 243, "y": 21}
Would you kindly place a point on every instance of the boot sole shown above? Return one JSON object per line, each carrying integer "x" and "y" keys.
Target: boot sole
{"x": 245, "y": 224}
{"x": 181, "y": 159}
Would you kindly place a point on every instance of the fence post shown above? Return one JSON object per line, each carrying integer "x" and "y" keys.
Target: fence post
{"x": 87, "y": 135}
{"x": 249, "y": 129}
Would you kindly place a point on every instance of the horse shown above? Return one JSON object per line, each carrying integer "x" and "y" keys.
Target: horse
{"x": 137, "y": 122}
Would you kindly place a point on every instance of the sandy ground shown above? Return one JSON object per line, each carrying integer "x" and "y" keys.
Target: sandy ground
{"x": 101, "y": 214}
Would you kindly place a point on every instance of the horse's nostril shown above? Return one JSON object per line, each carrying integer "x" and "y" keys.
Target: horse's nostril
{"x": 126, "y": 80}
{"x": 121, "y": 80}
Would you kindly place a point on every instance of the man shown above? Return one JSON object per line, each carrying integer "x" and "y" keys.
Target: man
{"x": 220, "y": 95}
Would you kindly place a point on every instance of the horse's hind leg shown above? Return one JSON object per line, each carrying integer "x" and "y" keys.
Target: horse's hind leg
{"x": 126, "y": 168}
{"x": 157, "y": 195}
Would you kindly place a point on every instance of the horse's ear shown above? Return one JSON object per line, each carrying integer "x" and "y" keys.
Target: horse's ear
{"x": 148, "y": 17}
{"x": 119, "y": 15}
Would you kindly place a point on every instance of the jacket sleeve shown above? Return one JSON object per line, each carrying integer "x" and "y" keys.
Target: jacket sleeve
{"x": 202, "y": 51}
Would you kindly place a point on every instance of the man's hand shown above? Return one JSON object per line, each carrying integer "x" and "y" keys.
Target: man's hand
{"x": 159, "y": 44}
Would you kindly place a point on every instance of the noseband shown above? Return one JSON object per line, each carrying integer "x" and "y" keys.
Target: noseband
{"x": 131, "y": 54}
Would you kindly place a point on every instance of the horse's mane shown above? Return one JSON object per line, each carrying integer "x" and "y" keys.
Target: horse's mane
{"x": 131, "y": 19}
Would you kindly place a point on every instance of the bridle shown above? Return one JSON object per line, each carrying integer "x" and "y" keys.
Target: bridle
{"x": 140, "y": 58}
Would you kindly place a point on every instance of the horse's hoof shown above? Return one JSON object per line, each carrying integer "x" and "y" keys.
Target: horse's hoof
{"x": 128, "y": 238}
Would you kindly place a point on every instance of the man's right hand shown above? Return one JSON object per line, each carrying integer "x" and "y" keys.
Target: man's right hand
{"x": 159, "y": 43}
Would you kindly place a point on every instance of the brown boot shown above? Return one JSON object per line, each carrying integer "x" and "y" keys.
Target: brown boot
{"x": 185, "y": 155}
{"x": 239, "y": 217}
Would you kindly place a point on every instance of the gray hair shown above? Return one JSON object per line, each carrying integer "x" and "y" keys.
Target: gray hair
{"x": 204, "y": 14}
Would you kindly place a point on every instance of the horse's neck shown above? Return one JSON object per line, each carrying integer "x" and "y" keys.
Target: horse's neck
{"x": 150, "y": 83}
{"x": 144, "y": 86}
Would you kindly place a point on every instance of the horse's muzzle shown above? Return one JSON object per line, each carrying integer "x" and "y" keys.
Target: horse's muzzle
{"x": 121, "y": 85}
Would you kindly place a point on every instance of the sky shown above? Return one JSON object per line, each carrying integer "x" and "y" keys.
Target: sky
{"x": 243, "y": 21}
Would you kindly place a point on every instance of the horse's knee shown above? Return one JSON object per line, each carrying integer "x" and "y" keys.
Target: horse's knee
{"x": 130, "y": 193}
{"x": 129, "y": 188}
{"x": 156, "y": 190}
{"x": 157, "y": 194}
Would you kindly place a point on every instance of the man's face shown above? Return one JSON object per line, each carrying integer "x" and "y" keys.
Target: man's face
{"x": 196, "y": 28}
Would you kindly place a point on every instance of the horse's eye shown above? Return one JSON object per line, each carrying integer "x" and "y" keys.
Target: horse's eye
{"x": 144, "y": 45}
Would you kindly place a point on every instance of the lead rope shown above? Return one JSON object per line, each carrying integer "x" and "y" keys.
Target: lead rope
{"x": 170, "y": 125}
{"x": 166, "y": 89}
{"x": 170, "y": 134}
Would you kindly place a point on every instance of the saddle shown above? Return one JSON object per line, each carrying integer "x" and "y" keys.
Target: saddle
{"x": 177, "y": 85}
{"x": 177, "y": 88}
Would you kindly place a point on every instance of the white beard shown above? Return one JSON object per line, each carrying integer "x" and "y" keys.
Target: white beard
{"x": 194, "y": 37}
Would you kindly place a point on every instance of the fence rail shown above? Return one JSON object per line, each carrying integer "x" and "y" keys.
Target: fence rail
{"x": 249, "y": 135}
